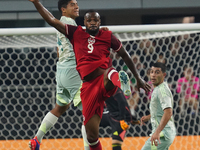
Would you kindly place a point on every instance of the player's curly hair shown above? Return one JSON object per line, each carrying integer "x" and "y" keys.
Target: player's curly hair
{"x": 62, "y": 3}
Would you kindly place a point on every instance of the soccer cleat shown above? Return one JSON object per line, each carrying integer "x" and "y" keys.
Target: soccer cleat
{"x": 34, "y": 144}
{"x": 125, "y": 83}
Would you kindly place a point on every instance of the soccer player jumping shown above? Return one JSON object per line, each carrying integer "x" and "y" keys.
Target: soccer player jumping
{"x": 91, "y": 47}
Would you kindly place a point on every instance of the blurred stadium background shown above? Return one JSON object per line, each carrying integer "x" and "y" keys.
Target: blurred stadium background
{"x": 28, "y": 65}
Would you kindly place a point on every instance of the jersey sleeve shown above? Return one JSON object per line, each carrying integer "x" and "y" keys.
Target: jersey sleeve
{"x": 165, "y": 98}
{"x": 69, "y": 29}
{"x": 115, "y": 43}
{"x": 68, "y": 21}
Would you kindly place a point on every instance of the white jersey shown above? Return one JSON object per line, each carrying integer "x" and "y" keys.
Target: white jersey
{"x": 66, "y": 52}
{"x": 162, "y": 98}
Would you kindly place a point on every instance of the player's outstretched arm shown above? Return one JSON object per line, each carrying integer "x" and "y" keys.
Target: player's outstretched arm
{"x": 129, "y": 62}
{"x": 48, "y": 17}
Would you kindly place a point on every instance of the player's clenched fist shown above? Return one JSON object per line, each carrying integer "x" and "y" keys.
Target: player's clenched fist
{"x": 124, "y": 125}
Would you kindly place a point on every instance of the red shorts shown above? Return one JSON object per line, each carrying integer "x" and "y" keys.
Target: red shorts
{"x": 93, "y": 95}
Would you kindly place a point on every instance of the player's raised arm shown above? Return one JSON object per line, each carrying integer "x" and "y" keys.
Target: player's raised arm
{"x": 129, "y": 62}
{"x": 48, "y": 17}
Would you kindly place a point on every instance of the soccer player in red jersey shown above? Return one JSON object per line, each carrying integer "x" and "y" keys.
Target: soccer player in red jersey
{"x": 91, "y": 47}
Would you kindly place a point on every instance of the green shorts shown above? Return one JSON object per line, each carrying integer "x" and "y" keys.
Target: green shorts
{"x": 68, "y": 86}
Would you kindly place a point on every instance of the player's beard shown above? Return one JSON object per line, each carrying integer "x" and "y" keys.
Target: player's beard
{"x": 92, "y": 32}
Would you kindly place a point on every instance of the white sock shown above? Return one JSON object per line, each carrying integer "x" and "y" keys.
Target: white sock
{"x": 85, "y": 141}
{"x": 48, "y": 122}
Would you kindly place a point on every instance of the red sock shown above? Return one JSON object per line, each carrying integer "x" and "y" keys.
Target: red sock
{"x": 97, "y": 146}
{"x": 113, "y": 75}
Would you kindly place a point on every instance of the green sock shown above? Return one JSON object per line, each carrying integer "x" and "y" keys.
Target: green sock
{"x": 48, "y": 122}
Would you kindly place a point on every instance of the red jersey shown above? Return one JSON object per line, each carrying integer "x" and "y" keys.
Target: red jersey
{"x": 90, "y": 51}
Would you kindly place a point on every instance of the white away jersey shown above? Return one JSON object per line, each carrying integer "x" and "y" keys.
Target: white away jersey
{"x": 66, "y": 52}
{"x": 162, "y": 98}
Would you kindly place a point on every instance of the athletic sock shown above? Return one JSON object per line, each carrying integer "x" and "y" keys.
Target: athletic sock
{"x": 114, "y": 77}
{"x": 48, "y": 122}
{"x": 116, "y": 146}
{"x": 95, "y": 145}
{"x": 84, "y": 135}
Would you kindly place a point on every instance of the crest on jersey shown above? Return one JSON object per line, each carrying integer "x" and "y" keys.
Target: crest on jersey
{"x": 91, "y": 40}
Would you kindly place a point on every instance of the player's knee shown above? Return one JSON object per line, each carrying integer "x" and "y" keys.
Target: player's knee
{"x": 59, "y": 110}
{"x": 91, "y": 137}
{"x": 117, "y": 141}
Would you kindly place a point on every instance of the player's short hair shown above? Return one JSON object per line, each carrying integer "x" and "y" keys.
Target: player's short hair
{"x": 62, "y": 3}
{"x": 91, "y": 11}
{"x": 160, "y": 65}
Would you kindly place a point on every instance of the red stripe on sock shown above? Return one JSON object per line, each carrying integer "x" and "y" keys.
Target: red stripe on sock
{"x": 96, "y": 147}
{"x": 114, "y": 77}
